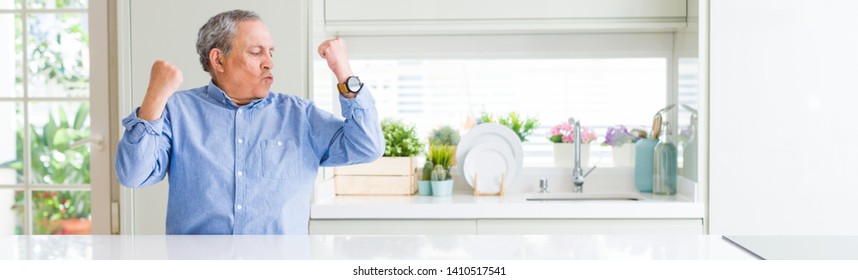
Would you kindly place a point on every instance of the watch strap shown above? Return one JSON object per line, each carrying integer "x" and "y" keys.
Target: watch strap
{"x": 343, "y": 88}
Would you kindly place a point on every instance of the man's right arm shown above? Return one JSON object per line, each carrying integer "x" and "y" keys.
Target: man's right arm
{"x": 143, "y": 155}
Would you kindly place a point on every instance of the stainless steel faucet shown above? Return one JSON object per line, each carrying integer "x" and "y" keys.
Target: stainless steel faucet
{"x": 543, "y": 185}
{"x": 578, "y": 172}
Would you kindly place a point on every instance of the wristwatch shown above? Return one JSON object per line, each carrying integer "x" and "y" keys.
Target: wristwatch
{"x": 352, "y": 85}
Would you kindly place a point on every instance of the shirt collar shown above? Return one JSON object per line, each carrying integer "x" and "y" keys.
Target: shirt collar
{"x": 219, "y": 96}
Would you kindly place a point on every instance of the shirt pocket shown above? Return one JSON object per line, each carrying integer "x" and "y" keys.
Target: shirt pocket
{"x": 279, "y": 158}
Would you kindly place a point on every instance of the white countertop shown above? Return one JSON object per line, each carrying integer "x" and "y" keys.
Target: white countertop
{"x": 513, "y": 205}
{"x": 349, "y": 247}
{"x": 799, "y": 247}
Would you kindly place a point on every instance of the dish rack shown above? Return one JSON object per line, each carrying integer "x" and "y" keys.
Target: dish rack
{"x": 477, "y": 191}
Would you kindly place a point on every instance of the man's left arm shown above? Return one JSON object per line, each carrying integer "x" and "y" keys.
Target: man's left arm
{"x": 357, "y": 139}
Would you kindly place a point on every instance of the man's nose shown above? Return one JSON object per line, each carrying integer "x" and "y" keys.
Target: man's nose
{"x": 268, "y": 63}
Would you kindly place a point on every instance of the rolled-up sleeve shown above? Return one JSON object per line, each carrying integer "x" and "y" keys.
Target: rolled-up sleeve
{"x": 356, "y": 139}
{"x": 143, "y": 155}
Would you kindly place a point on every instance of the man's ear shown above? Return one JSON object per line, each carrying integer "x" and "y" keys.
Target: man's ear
{"x": 216, "y": 60}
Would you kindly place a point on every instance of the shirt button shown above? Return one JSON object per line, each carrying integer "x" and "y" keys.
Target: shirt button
{"x": 238, "y": 207}
{"x": 239, "y": 173}
{"x": 279, "y": 143}
{"x": 240, "y": 140}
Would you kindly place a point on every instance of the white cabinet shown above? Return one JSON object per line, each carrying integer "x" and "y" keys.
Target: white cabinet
{"x": 784, "y": 68}
{"x": 509, "y": 226}
{"x": 590, "y": 226}
{"x": 493, "y": 16}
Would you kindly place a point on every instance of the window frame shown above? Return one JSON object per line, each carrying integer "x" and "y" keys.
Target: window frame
{"x": 99, "y": 100}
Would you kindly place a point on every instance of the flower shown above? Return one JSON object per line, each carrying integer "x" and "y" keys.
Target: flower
{"x": 618, "y": 135}
{"x": 565, "y": 133}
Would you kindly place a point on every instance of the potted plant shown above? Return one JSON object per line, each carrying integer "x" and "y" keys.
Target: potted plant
{"x": 442, "y": 157}
{"x": 621, "y": 142}
{"x": 55, "y": 212}
{"x": 424, "y": 185}
{"x": 563, "y": 137}
{"x": 522, "y": 126}
{"x": 392, "y": 174}
{"x": 444, "y": 135}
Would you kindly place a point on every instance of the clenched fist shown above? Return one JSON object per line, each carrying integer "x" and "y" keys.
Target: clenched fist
{"x": 164, "y": 80}
{"x": 334, "y": 51}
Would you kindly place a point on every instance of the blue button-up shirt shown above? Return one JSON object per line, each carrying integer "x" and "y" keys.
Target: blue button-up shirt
{"x": 248, "y": 169}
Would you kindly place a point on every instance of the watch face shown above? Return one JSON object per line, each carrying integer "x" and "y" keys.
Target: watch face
{"x": 353, "y": 83}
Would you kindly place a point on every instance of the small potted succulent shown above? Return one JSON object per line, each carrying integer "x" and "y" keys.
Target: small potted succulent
{"x": 393, "y": 174}
{"x": 563, "y": 137}
{"x": 622, "y": 145}
{"x": 442, "y": 158}
{"x": 424, "y": 185}
{"x": 441, "y": 136}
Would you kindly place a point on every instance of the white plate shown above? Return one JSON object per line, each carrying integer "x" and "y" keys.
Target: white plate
{"x": 486, "y": 133}
{"x": 490, "y": 162}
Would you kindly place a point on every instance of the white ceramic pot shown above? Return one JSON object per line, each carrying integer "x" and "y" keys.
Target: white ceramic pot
{"x": 624, "y": 155}
{"x": 564, "y": 155}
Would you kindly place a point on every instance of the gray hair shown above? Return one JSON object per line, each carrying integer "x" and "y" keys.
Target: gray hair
{"x": 218, "y": 32}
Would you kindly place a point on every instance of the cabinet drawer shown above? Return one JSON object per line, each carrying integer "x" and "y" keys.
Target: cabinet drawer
{"x": 590, "y": 226}
{"x": 371, "y": 227}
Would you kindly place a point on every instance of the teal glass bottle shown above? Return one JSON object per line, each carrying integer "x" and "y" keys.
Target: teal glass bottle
{"x": 664, "y": 163}
{"x": 643, "y": 164}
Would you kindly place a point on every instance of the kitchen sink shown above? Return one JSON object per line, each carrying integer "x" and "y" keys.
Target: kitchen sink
{"x": 585, "y": 197}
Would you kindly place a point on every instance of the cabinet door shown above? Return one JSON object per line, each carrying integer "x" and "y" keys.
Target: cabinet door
{"x": 590, "y": 226}
{"x": 401, "y": 17}
{"x": 418, "y": 10}
{"x": 370, "y": 227}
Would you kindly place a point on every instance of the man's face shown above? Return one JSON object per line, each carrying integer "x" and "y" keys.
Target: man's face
{"x": 247, "y": 69}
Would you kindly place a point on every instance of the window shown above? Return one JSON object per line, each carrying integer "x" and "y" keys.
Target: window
{"x": 44, "y": 117}
{"x": 599, "y": 92}
{"x": 600, "y": 79}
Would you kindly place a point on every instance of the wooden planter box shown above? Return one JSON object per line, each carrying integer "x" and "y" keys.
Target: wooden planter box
{"x": 385, "y": 176}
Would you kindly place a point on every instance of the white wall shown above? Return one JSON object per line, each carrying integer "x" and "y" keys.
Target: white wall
{"x": 164, "y": 29}
{"x": 782, "y": 101}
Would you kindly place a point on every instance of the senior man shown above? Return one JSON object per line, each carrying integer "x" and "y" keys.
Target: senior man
{"x": 242, "y": 159}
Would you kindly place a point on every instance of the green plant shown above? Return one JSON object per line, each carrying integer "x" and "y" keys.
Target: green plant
{"x": 51, "y": 206}
{"x": 439, "y": 174}
{"x": 522, "y": 127}
{"x": 400, "y": 140}
{"x": 445, "y": 135}
{"x": 427, "y": 170}
{"x": 442, "y": 156}
{"x": 54, "y": 161}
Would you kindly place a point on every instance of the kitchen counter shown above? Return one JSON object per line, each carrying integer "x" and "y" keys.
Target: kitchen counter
{"x": 348, "y": 247}
{"x": 799, "y": 247}
{"x": 464, "y": 205}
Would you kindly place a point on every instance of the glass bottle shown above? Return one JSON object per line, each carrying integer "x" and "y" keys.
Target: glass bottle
{"x": 664, "y": 163}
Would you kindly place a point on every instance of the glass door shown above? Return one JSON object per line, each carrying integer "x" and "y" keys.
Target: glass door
{"x": 47, "y": 137}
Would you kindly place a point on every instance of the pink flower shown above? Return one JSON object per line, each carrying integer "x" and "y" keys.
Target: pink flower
{"x": 565, "y": 133}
